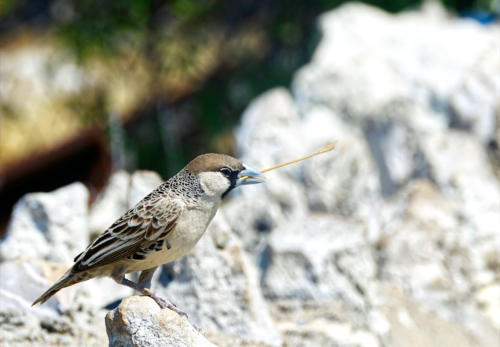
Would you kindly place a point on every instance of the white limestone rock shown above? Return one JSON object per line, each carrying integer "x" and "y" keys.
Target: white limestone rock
{"x": 383, "y": 74}
{"x": 217, "y": 285}
{"x": 111, "y": 203}
{"x": 63, "y": 320}
{"x": 51, "y": 226}
{"x": 318, "y": 258}
{"x": 429, "y": 251}
{"x": 461, "y": 167}
{"x": 410, "y": 324}
{"x": 343, "y": 181}
{"x": 141, "y": 184}
{"x": 488, "y": 301}
{"x": 369, "y": 61}
{"x": 270, "y": 130}
{"x": 324, "y": 332}
{"x": 476, "y": 101}
{"x": 123, "y": 192}
{"x": 138, "y": 321}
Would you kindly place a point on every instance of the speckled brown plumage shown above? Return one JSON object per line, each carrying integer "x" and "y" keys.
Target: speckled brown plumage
{"x": 149, "y": 221}
{"x": 160, "y": 228}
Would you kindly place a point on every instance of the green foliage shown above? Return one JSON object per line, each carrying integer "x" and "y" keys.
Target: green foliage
{"x": 98, "y": 24}
{"x": 192, "y": 9}
{"x": 9, "y": 6}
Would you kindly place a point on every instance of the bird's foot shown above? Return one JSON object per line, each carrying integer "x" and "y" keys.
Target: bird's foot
{"x": 165, "y": 304}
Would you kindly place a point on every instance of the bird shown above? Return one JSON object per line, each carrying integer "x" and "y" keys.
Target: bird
{"x": 162, "y": 227}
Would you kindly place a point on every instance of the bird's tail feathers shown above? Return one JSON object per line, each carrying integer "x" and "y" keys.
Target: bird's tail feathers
{"x": 66, "y": 280}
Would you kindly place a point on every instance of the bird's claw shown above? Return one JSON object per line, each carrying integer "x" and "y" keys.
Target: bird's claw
{"x": 175, "y": 309}
{"x": 166, "y": 304}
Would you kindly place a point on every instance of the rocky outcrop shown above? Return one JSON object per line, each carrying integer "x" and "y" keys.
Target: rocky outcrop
{"x": 390, "y": 240}
{"x": 122, "y": 192}
{"x": 218, "y": 286}
{"x": 46, "y": 231}
{"x": 138, "y": 321}
{"x": 50, "y": 226}
{"x": 410, "y": 194}
{"x": 66, "y": 320}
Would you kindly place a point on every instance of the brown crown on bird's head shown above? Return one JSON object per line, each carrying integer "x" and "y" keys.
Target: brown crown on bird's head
{"x": 213, "y": 162}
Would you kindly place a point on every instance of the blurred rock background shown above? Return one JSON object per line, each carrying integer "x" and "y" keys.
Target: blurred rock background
{"x": 391, "y": 240}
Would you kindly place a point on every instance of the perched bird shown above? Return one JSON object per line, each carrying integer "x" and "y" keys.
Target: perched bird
{"x": 162, "y": 227}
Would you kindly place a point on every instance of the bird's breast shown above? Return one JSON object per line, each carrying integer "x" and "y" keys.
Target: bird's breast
{"x": 190, "y": 227}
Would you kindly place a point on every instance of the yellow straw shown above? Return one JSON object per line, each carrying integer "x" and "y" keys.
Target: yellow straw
{"x": 325, "y": 149}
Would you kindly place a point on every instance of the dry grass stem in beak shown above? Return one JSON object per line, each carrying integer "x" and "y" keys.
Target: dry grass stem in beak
{"x": 325, "y": 149}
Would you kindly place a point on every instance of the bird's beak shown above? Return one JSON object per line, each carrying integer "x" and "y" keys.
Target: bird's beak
{"x": 249, "y": 176}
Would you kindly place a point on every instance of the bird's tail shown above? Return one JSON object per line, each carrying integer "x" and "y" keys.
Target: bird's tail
{"x": 66, "y": 280}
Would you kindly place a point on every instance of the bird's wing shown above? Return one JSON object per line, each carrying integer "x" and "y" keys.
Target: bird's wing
{"x": 151, "y": 220}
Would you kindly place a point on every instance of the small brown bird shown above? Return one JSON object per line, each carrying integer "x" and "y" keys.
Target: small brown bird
{"x": 162, "y": 227}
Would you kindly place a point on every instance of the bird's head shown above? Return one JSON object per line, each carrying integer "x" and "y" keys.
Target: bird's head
{"x": 220, "y": 173}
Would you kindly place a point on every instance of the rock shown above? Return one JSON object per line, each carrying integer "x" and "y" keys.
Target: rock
{"x": 487, "y": 299}
{"x": 411, "y": 325}
{"x": 61, "y": 321}
{"x": 297, "y": 189}
{"x": 23, "y": 280}
{"x": 431, "y": 253}
{"x": 393, "y": 66}
{"x": 417, "y": 241}
{"x": 253, "y": 214}
{"x": 217, "y": 285}
{"x": 305, "y": 260}
{"x": 345, "y": 181}
{"x": 99, "y": 293}
{"x": 393, "y": 85}
{"x": 45, "y": 233}
{"x": 471, "y": 181}
{"x": 141, "y": 184}
{"x": 397, "y": 154}
{"x": 111, "y": 203}
{"x": 425, "y": 192}
{"x": 50, "y": 226}
{"x": 322, "y": 332}
{"x": 473, "y": 185}
{"x": 389, "y": 240}
{"x": 410, "y": 177}
{"x": 281, "y": 137}
{"x": 475, "y": 102}
{"x": 320, "y": 323}
{"x": 123, "y": 192}
{"x": 138, "y": 321}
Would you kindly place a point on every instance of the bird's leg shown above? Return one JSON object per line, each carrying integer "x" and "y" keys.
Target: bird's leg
{"x": 161, "y": 302}
{"x": 145, "y": 278}
{"x": 145, "y": 283}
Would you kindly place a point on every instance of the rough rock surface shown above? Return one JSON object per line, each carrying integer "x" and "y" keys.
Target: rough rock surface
{"x": 64, "y": 320}
{"x": 138, "y": 321}
{"x": 46, "y": 231}
{"x": 122, "y": 192}
{"x": 218, "y": 286}
{"x": 51, "y": 226}
{"x": 410, "y": 194}
{"x": 390, "y": 240}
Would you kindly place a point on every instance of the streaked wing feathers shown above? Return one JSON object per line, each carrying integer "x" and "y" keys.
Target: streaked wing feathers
{"x": 148, "y": 222}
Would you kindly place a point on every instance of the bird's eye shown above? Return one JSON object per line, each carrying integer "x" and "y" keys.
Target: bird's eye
{"x": 226, "y": 171}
